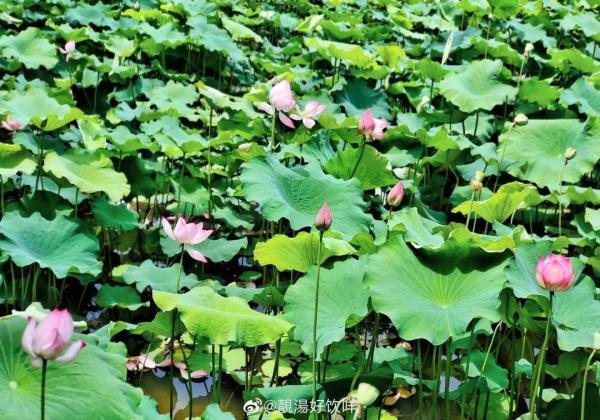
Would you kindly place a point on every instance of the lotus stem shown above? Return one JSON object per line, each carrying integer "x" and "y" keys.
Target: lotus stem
{"x": 43, "y": 390}
{"x": 560, "y": 181}
{"x": 447, "y": 378}
{"x": 420, "y": 372}
{"x": 272, "y": 142}
{"x": 539, "y": 367}
{"x": 360, "y": 153}
{"x": 172, "y": 342}
{"x": 502, "y": 156}
{"x": 485, "y": 360}
{"x": 275, "y": 374}
{"x": 315, "y": 317}
{"x": 374, "y": 333}
{"x": 189, "y": 381}
{"x": 584, "y": 387}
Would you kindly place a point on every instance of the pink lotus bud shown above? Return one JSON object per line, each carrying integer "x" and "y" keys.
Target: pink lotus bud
{"x": 281, "y": 96}
{"x": 323, "y": 219}
{"x": 367, "y": 122}
{"x": 48, "y": 339}
{"x": 11, "y": 125}
{"x": 555, "y": 273}
{"x": 396, "y": 194}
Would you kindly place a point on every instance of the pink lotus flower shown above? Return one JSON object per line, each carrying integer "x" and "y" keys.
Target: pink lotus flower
{"x": 396, "y": 194}
{"x": 371, "y": 128}
{"x": 187, "y": 234}
{"x": 48, "y": 339}
{"x": 323, "y": 220}
{"x": 11, "y": 125}
{"x": 68, "y": 49}
{"x": 555, "y": 273}
{"x": 281, "y": 99}
{"x": 311, "y": 111}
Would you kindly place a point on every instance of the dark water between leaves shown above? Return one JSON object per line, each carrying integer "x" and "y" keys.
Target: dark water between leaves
{"x": 156, "y": 383}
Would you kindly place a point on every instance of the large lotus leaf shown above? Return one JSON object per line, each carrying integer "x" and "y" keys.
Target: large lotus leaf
{"x": 89, "y": 172}
{"x": 538, "y": 91}
{"x": 213, "y": 38}
{"x": 30, "y": 48}
{"x": 15, "y": 159}
{"x": 371, "y": 172}
{"x": 539, "y": 148}
{"x": 111, "y": 216}
{"x": 477, "y": 87}
{"x": 92, "y": 386}
{"x": 216, "y": 250}
{"x": 56, "y": 244}
{"x": 239, "y": 31}
{"x": 35, "y": 106}
{"x": 572, "y": 58}
{"x": 357, "y": 97}
{"x": 223, "y": 320}
{"x": 503, "y": 204}
{"x": 416, "y": 229}
{"x": 585, "y": 95}
{"x": 119, "y": 296}
{"x": 576, "y": 316}
{"x": 342, "y": 303}
{"x": 352, "y": 53}
{"x": 520, "y": 271}
{"x": 298, "y": 193}
{"x": 174, "y": 96}
{"x": 297, "y": 253}
{"x": 157, "y": 278}
{"x": 423, "y": 303}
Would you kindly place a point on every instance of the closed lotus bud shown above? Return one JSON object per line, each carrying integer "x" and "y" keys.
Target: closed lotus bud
{"x": 520, "y": 119}
{"x": 555, "y": 273}
{"x": 570, "y": 153}
{"x": 323, "y": 219}
{"x": 396, "y": 194}
{"x": 597, "y": 340}
{"x": 528, "y": 49}
{"x": 365, "y": 395}
{"x": 424, "y": 101}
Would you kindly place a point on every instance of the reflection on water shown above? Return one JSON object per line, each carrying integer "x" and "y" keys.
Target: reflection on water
{"x": 156, "y": 383}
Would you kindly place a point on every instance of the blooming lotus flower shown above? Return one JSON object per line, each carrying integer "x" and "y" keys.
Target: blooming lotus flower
{"x": 48, "y": 339}
{"x": 11, "y": 125}
{"x": 187, "y": 234}
{"x": 68, "y": 49}
{"x": 311, "y": 111}
{"x": 323, "y": 220}
{"x": 281, "y": 99}
{"x": 396, "y": 194}
{"x": 555, "y": 273}
{"x": 371, "y": 128}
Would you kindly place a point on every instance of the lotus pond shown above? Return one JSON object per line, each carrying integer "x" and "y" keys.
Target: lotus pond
{"x": 344, "y": 209}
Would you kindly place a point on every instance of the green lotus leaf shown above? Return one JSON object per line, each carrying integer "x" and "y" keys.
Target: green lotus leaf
{"x": 239, "y": 31}
{"x": 57, "y": 244}
{"x": 119, "y": 296}
{"x": 586, "y": 22}
{"x": 495, "y": 377}
{"x": 576, "y": 316}
{"x": 423, "y": 303}
{"x": 416, "y": 229}
{"x": 213, "y": 412}
{"x": 501, "y": 205}
{"x": 286, "y": 253}
{"x": 14, "y": 159}
{"x": 477, "y": 87}
{"x": 372, "y": 171}
{"x": 357, "y": 97}
{"x": 213, "y": 38}
{"x": 89, "y": 172}
{"x": 174, "y": 96}
{"x": 157, "y": 278}
{"x": 342, "y": 303}
{"x": 222, "y": 320}
{"x": 68, "y": 386}
{"x": 111, "y": 216}
{"x": 351, "y": 53}
{"x": 538, "y": 91}
{"x": 35, "y": 106}
{"x": 585, "y": 95}
{"x": 298, "y": 193}
{"x": 538, "y": 149}
{"x": 565, "y": 60}
{"x": 30, "y": 48}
